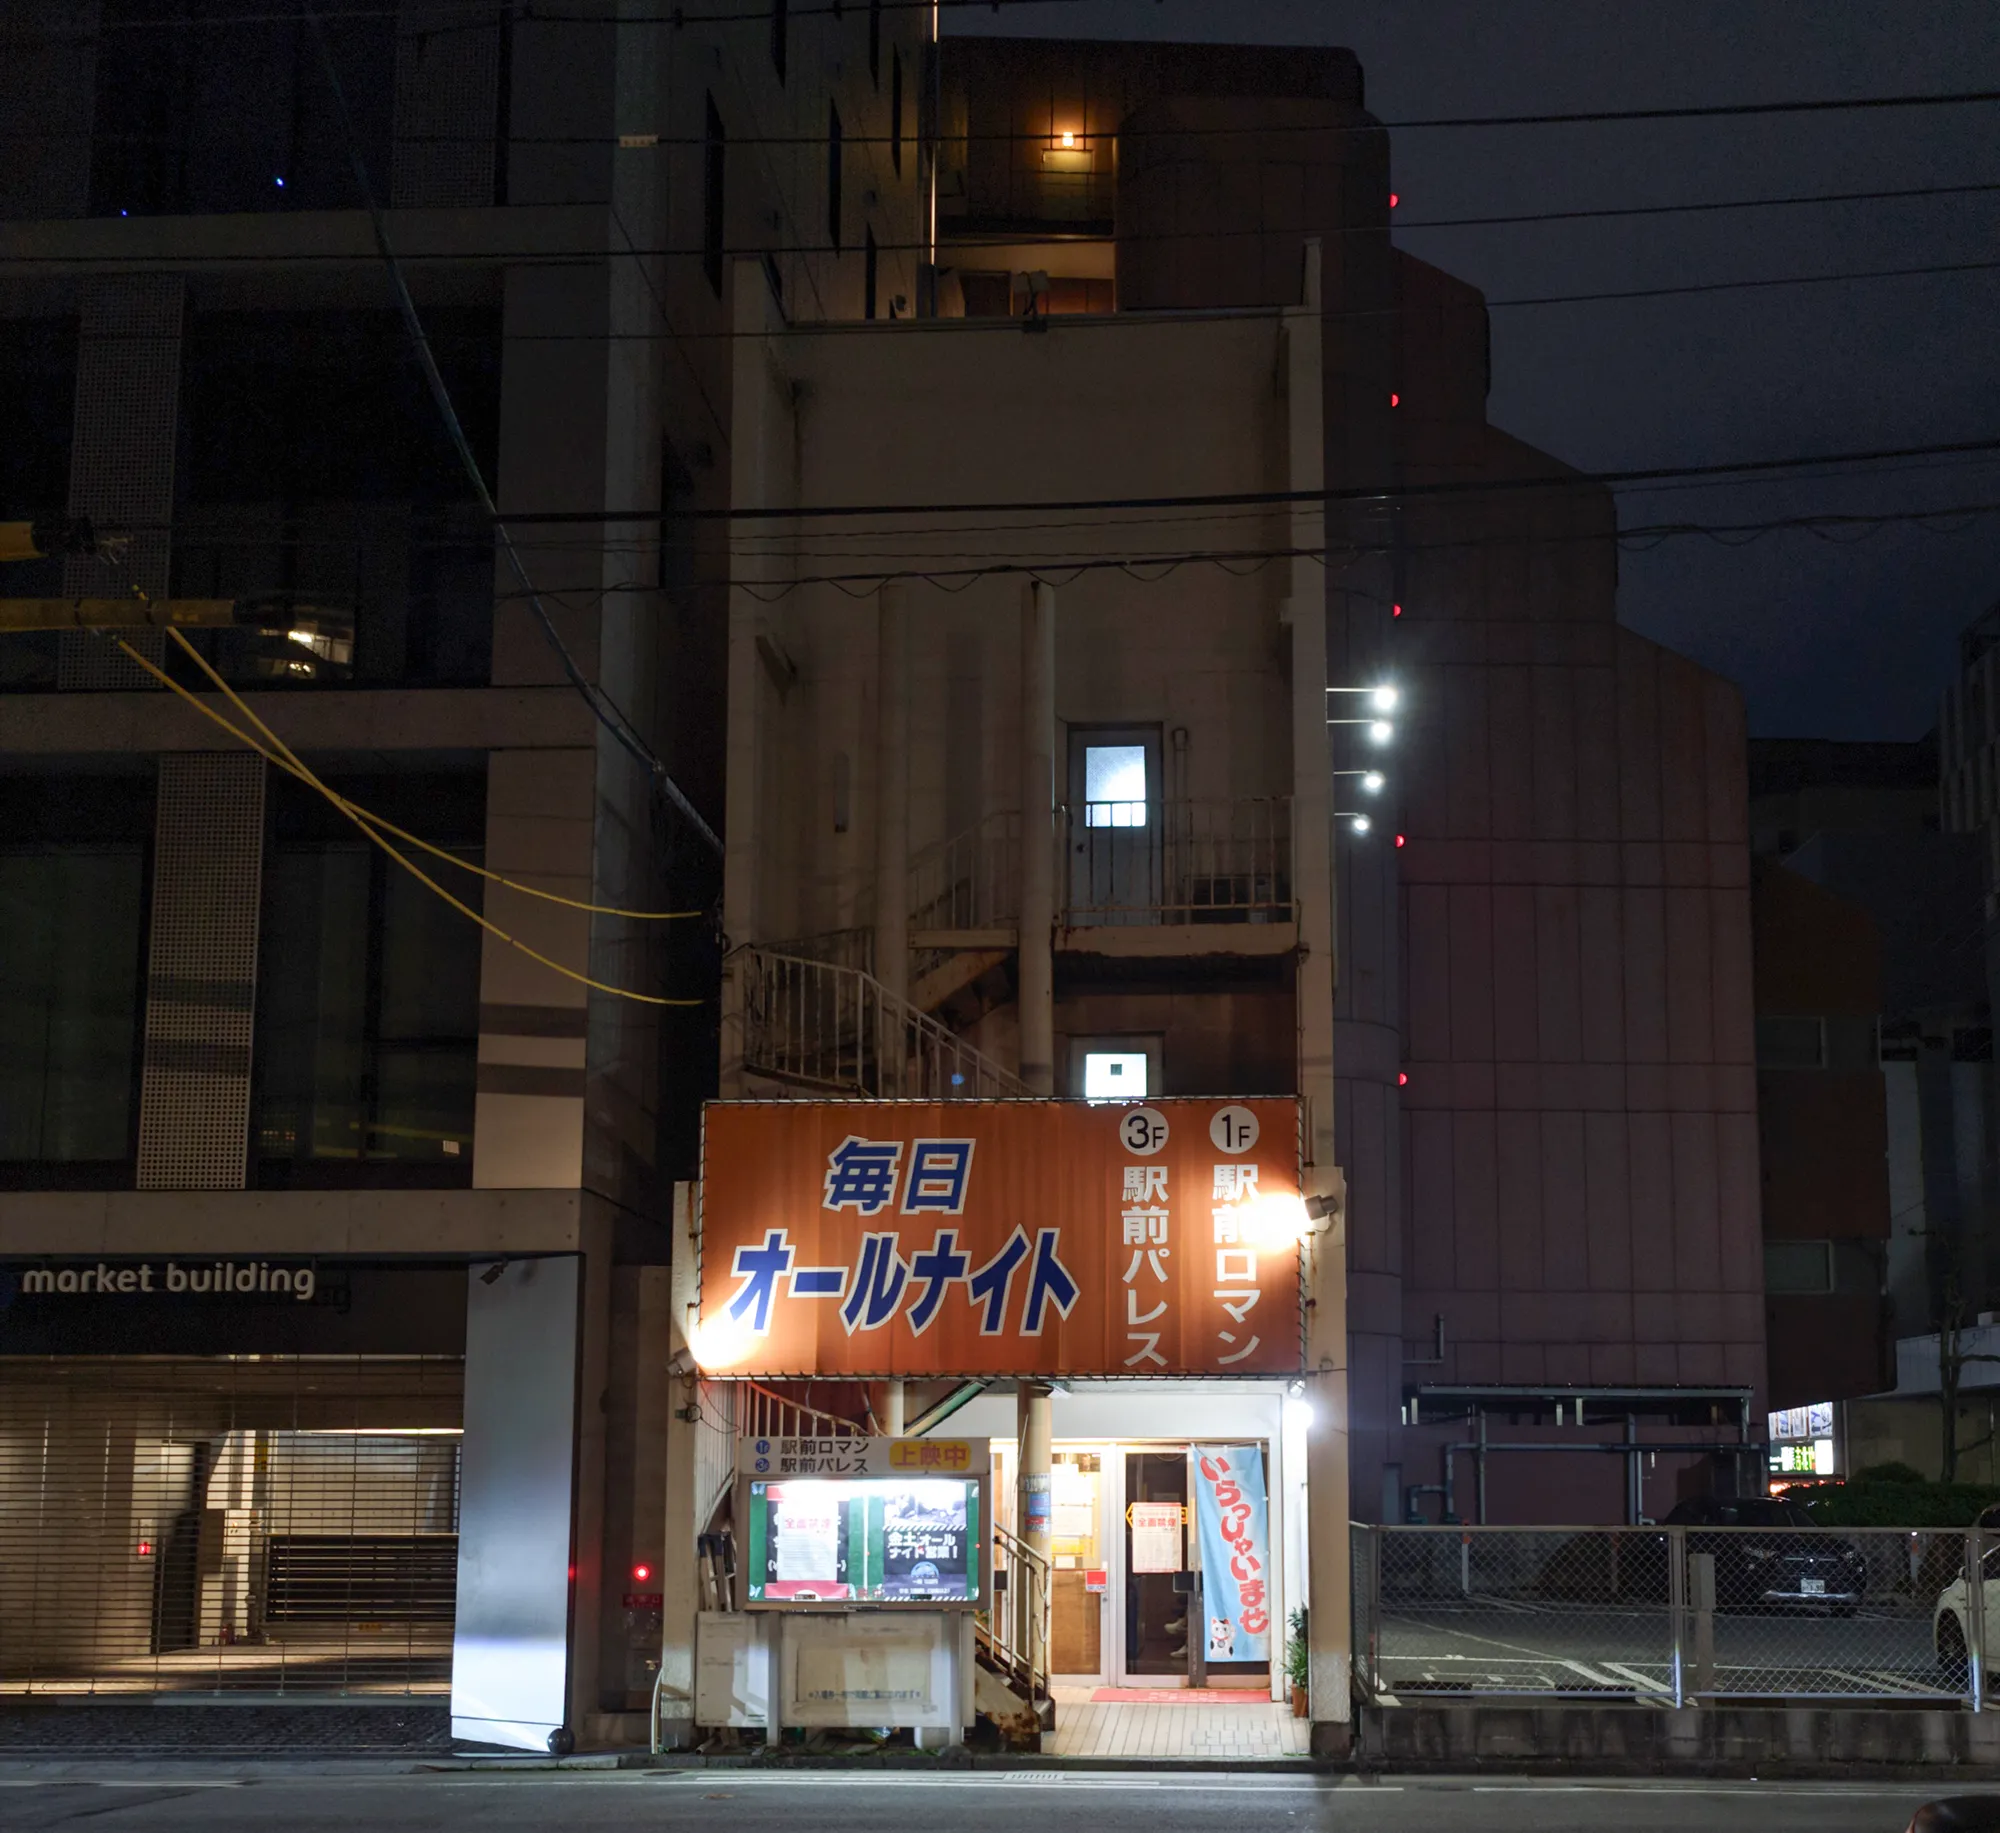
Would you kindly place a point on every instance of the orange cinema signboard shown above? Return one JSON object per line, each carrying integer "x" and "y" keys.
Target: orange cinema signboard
{"x": 891, "y": 1238}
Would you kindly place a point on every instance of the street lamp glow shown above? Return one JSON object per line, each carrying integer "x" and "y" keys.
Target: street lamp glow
{"x": 1383, "y": 699}
{"x": 1372, "y": 782}
{"x": 1381, "y": 731}
{"x": 1361, "y": 824}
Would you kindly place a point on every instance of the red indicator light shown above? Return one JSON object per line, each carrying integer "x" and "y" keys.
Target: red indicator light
{"x": 1402, "y": 1078}
{"x": 1395, "y": 610}
{"x": 1394, "y": 200}
{"x": 642, "y": 1573}
{"x": 145, "y": 1549}
{"x": 1395, "y": 400}
{"x": 1399, "y": 839}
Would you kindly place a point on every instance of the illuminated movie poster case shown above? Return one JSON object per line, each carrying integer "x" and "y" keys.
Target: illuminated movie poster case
{"x": 864, "y": 1523}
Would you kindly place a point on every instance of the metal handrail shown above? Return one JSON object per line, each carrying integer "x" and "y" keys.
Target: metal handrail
{"x": 1205, "y": 860}
{"x": 1015, "y": 1633}
{"x": 770, "y": 1414}
{"x": 826, "y": 1029}
{"x": 971, "y": 880}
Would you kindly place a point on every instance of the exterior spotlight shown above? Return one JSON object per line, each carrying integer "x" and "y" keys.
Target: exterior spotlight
{"x": 1372, "y": 782}
{"x": 1383, "y": 700}
{"x": 1361, "y": 824}
{"x": 1381, "y": 731}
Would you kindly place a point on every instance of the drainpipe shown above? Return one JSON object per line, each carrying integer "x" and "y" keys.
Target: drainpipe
{"x": 1036, "y": 992}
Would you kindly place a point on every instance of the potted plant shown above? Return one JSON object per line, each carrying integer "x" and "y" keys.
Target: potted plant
{"x": 1298, "y": 1665}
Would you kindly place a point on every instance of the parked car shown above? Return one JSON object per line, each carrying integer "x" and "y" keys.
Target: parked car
{"x": 1950, "y": 1613}
{"x": 1958, "y": 1814}
{"x": 1774, "y": 1558}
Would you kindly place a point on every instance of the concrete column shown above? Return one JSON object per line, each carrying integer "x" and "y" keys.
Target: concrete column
{"x": 680, "y": 1574}
{"x": 1330, "y": 1643}
{"x": 892, "y": 790}
{"x": 1034, "y": 1506}
{"x": 1038, "y": 840}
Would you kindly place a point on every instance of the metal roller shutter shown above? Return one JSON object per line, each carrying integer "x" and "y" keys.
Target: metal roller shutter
{"x": 242, "y": 1524}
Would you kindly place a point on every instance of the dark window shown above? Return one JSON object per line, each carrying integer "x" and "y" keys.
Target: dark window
{"x": 677, "y": 530}
{"x": 368, "y": 993}
{"x": 714, "y": 197}
{"x": 896, "y": 109}
{"x": 200, "y": 109}
{"x": 38, "y": 383}
{"x": 351, "y": 536}
{"x": 72, "y": 926}
{"x": 1787, "y": 1042}
{"x": 780, "y": 36}
{"x": 833, "y": 165}
{"x": 868, "y": 276}
{"x": 875, "y": 41}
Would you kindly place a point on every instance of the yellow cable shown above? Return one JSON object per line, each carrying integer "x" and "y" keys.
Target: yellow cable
{"x": 290, "y": 762}
{"x": 389, "y": 827}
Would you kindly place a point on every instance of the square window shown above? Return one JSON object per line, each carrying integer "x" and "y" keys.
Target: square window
{"x": 1114, "y": 786}
{"x": 1114, "y": 1075}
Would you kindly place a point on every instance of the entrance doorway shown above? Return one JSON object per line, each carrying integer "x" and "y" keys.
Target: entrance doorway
{"x": 1115, "y": 825}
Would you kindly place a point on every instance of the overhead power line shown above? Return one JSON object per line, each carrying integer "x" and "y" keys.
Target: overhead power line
{"x": 1357, "y": 493}
{"x": 970, "y": 242}
{"x": 276, "y": 752}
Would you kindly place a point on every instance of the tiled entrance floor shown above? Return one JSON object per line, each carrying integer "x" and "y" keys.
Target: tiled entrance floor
{"x": 1089, "y": 1728}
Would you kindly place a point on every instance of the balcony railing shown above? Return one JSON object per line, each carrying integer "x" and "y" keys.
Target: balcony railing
{"x": 822, "y": 1029}
{"x": 1201, "y": 861}
{"x": 971, "y": 881}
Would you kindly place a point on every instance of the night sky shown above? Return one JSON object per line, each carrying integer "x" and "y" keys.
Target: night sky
{"x": 1828, "y": 641}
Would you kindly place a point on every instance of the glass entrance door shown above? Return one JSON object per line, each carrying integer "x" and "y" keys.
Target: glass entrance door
{"x": 1157, "y": 1568}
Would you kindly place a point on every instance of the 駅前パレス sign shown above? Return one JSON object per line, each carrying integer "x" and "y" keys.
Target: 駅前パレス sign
{"x": 1000, "y": 1238}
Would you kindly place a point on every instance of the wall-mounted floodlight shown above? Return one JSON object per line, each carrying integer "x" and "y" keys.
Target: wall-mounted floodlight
{"x": 1371, "y": 780}
{"x": 1362, "y": 824}
{"x": 1383, "y": 699}
{"x": 1381, "y": 731}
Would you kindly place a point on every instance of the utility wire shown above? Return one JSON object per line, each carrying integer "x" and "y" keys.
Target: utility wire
{"x": 969, "y": 242}
{"x": 1054, "y": 569}
{"x": 278, "y": 753}
{"x": 1360, "y": 493}
{"x": 606, "y": 710}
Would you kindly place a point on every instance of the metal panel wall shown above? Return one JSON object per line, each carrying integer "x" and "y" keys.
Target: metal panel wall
{"x": 128, "y": 378}
{"x": 447, "y": 104}
{"x": 208, "y": 859}
{"x": 271, "y": 1524}
{"x": 510, "y": 1653}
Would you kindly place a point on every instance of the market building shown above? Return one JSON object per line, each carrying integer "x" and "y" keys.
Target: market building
{"x": 333, "y": 1232}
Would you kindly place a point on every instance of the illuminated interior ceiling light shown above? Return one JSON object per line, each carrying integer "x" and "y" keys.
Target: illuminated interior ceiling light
{"x": 1381, "y": 731}
{"x": 1068, "y": 138}
{"x": 1361, "y": 824}
{"x": 1372, "y": 782}
{"x": 1383, "y": 699}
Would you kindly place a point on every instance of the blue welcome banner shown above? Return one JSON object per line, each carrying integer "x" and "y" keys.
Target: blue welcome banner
{"x": 1233, "y": 1517}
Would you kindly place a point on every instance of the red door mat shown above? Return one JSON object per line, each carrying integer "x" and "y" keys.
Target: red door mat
{"x": 1179, "y": 1696}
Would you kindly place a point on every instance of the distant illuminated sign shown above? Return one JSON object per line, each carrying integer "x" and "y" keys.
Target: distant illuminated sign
{"x": 1796, "y": 1423}
{"x": 1811, "y": 1459}
{"x": 865, "y": 1540}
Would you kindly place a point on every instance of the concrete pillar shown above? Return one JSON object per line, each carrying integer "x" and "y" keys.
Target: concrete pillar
{"x": 1034, "y": 1506}
{"x": 680, "y": 1571}
{"x": 889, "y": 1409}
{"x": 892, "y": 790}
{"x": 1038, "y": 839}
{"x": 1330, "y": 1643}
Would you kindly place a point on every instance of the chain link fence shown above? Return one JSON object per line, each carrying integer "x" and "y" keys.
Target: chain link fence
{"x": 1673, "y": 1615}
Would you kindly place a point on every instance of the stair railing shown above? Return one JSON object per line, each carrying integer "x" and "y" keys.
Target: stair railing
{"x": 1014, "y": 1634}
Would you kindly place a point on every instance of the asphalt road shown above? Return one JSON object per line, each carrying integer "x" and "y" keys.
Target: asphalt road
{"x": 1492, "y": 1645}
{"x": 197, "y": 1798}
